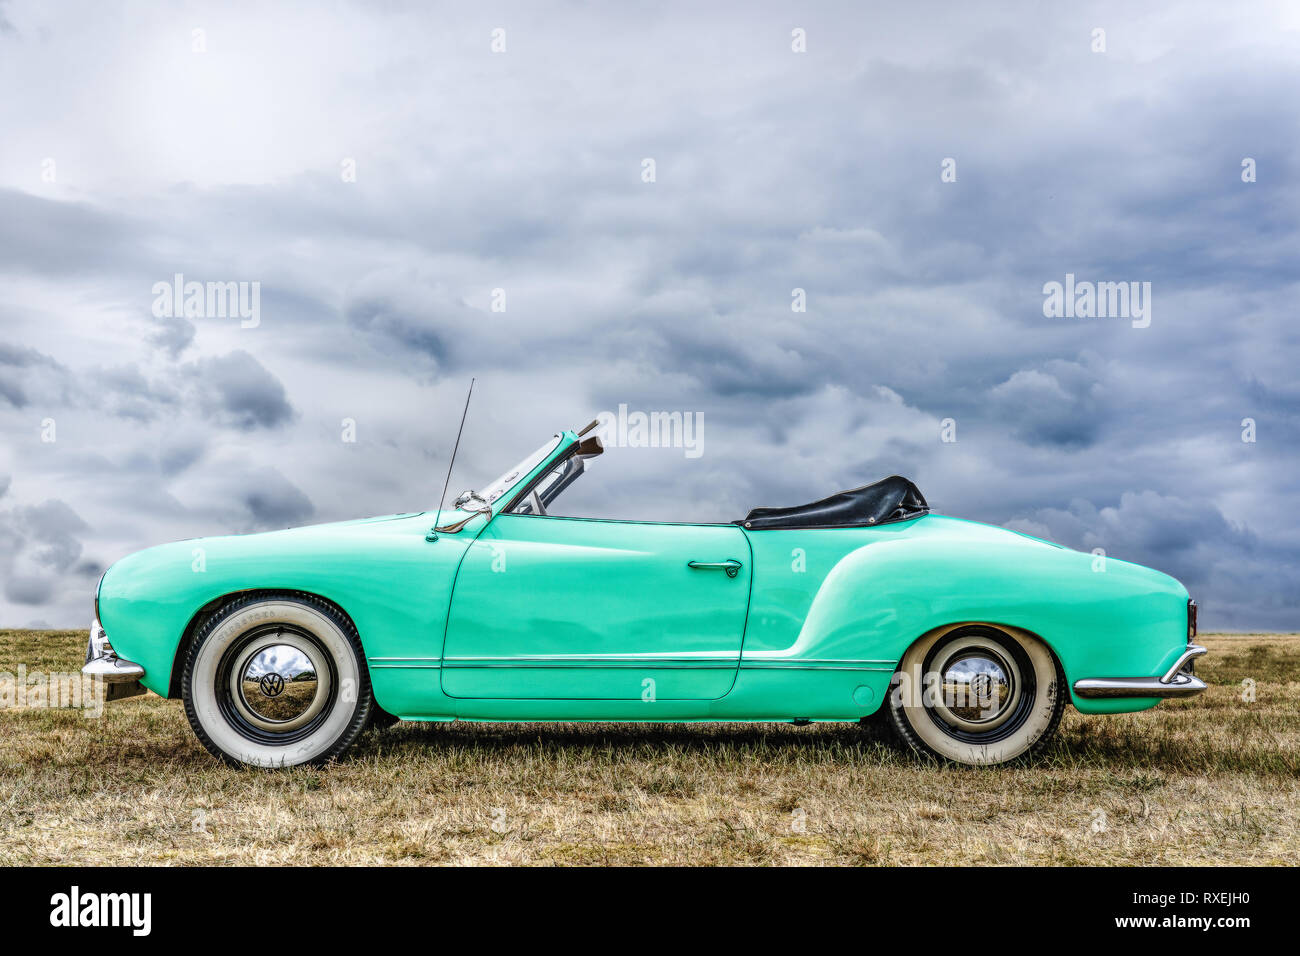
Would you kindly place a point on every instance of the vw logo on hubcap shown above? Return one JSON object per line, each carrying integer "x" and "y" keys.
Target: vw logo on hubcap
{"x": 271, "y": 685}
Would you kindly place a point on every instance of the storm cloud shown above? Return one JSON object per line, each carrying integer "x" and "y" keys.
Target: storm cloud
{"x": 238, "y": 390}
{"x": 39, "y": 550}
{"x": 838, "y": 264}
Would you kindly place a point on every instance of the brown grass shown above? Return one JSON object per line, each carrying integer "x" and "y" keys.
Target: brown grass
{"x": 1207, "y": 781}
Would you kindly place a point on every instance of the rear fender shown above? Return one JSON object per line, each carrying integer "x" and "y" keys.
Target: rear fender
{"x": 878, "y": 599}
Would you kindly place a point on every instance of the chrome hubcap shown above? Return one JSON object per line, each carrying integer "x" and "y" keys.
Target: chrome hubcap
{"x": 280, "y": 683}
{"x": 977, "y": 687}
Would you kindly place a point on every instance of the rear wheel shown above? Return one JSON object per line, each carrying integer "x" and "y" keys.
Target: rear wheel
{"x": 976, "y": 695}
{"x": 277, "y": 680}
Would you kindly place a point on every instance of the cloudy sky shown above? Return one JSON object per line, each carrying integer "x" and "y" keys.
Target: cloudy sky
{"x": 380, "y": 170}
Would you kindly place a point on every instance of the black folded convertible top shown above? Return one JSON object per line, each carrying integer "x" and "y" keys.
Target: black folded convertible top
{"x": 890, "y": 499}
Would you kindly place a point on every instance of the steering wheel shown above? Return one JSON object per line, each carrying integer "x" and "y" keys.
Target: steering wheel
{"x": 536, "y": 502}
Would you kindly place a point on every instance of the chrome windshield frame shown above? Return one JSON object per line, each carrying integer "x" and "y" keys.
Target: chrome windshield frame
{"x": 512, "y": 477}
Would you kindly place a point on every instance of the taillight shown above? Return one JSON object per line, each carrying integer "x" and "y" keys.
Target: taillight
{"x": 1191, "y": 621}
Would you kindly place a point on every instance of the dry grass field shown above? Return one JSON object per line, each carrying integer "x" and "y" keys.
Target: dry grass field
{"x": 1215, "y": 780}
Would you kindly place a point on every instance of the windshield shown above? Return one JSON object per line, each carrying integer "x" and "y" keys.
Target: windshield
{"x": 516, "y": 474}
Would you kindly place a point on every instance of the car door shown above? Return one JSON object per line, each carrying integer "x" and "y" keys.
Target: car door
{"x": 580, "y": 608}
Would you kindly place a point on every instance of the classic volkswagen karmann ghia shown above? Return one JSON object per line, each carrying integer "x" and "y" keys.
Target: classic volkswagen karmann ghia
{"x": 967, "y": 640}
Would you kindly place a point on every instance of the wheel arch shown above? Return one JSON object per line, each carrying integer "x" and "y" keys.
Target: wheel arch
{"x": 1013, "y": 629}
{"x": 203, "y": 614}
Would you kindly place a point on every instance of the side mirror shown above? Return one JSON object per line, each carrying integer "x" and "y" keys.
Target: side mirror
{"x": 465, "y": 497}
{"x": 464, "y": 502}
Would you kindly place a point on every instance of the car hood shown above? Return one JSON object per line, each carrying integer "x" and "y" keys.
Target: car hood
{"x": 304, "y": 540}
{"x": 325, "y": 527}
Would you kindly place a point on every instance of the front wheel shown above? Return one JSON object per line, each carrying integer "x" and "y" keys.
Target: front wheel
{"x": 277, "y": 680}
{"x": 976, "y": 695}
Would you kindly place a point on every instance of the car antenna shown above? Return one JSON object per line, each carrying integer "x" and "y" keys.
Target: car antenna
{"x": 433, "y": 532}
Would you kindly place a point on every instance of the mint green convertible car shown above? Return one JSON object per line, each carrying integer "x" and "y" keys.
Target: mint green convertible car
{"x": 967, "y": 640}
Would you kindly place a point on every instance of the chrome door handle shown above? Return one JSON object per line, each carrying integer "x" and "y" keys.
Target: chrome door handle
{"x": 731, "y": 566}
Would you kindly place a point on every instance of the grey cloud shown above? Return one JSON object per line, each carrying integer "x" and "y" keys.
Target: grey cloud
{"x": 418, "y": 333}
{"x": 27, "y": 589}
{"x": 236, "y": 388}
{"x": 125, "y": 391}
{"x": 1058, "y": 403}
{"x": 23, "y": 357}
{"x": 89, "y": 569}
{"x": 775, "y": 171}
{"x": 175, "y": 457}
{"x": 60, "y": 238}
{"x": 26, "y": 370}
{"x": 30, "y": 378}
{"x": 39, "y": 545}
{"x": 51, "y": 530}
{"x": 1226, "y": 566}
{"x": 173, "y": 335}
{"x": 273, "y": 502}
{"x": 12, "y": 392}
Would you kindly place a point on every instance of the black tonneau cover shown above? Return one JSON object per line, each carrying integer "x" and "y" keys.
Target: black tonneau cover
{"x": 890, "y": 499}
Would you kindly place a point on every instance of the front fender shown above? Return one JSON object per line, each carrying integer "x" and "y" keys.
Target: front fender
{"x": 383, "y": 574}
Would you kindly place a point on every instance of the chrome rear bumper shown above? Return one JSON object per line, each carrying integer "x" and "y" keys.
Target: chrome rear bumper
{"x": 121, "y": 677}
{"x": 1175, "y": 683}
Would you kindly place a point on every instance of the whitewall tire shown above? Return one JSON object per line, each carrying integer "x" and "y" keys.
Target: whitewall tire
{"x": 977, "y": 694}
{"x": 275, "y": 680}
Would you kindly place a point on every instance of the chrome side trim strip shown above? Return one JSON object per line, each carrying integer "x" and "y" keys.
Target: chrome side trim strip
{"x": 756, "y": 662}
{"x": 708, "y": 660}
{"x": 813, "y": 661}
{"x": 581, "y": 664}
{"x": 422, "y": 663}
{"x": 795, "y": 666}
{"x": 708, "y": 656}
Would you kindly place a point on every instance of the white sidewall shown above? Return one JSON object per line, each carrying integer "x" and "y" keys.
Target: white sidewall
{"x": 203, "y": 695}
{"x": 1036, "y": 724}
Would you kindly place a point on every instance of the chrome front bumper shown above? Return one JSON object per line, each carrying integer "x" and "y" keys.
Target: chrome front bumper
{"x": 120, "y": 677}
{"x": 1176, "y": 682}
